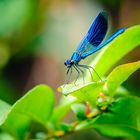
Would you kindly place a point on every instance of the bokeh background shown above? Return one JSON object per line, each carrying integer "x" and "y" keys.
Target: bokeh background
{"x": 36, "y": 36}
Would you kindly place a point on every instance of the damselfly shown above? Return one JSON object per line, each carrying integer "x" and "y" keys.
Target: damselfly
{"x": 90, "y": 44}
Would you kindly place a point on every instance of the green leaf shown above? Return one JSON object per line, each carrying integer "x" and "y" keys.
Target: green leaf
{"x": 4, "y": 110}
{"x": 121, "y": 120}
{"x": 66, "y": 127}
{"x": 36, "y": 105}
{"x": 79, "y": 110}
{"x": 5, "y": 136}
{"x": 62, "y": 109}
{"x": 115, "y": 50}
{"x": 83, "y": 92}
{"x": 121, "y": 92}
{"x": 120, "y": 74}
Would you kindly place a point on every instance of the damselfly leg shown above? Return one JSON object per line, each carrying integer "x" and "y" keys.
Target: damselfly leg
{"x": 81, "y": 72}
{"x": 68, "y": 79}
{"x": 77, "y": 75}
{"x": 88, "y": 67}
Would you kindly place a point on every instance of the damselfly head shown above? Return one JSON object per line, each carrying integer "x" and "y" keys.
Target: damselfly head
{"x": 68, "y": 63}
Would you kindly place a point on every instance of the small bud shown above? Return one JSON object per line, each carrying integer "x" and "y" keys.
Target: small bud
{"x": 104, "y": 108}
{"x": 59, "y": 133}
{"x": 93, "y": 114}
{"x": 101, "y": 94}
{"x": 87, "y": 108}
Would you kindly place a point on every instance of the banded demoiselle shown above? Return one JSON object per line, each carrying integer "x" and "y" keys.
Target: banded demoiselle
{"x": 90, "y": 44}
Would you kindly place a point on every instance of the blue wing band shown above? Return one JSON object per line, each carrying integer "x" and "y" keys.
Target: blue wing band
{"x": 98, "y": 29}
{"x": 95, "y": 34}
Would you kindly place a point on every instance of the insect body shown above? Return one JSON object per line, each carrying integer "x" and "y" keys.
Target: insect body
{"x": 91, "y": 43}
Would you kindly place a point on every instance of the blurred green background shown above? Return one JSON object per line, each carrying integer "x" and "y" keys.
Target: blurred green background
{"x": 36, "y": 36}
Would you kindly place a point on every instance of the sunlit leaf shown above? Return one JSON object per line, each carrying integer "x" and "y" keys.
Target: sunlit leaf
{"x": 120, "y": 74}
{"x": 36, "y": 105}
{"x": 86, "y": 92}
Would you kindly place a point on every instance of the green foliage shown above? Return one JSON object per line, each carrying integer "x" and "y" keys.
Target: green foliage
{"x": 80, "y": 111}
{"x": 121, "y": 120}
{"x": 4, "y": 54}
{"x": 11, "y": 20}
{"x": 120, "y": 74}
{"x": 36, "y": 105}
{"x": 4, "y": 109}
{"x": 108, "y": 109}
{"x": 64, "y": 107}
{"x": 88, "y": 92}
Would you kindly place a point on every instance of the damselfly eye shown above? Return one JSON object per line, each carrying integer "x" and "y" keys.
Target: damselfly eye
{"x": 65, "y": 64}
